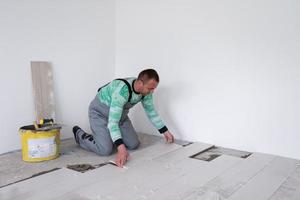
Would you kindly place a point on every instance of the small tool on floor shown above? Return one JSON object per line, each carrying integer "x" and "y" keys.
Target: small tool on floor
{"x": 114, "y": 163}
{"x": 110, "y": 162}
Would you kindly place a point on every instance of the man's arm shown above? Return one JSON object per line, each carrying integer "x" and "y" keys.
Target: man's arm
{"x": 118, "y": 100}
{"x": 153, "y": 116}
{"x": 115, "y": 114}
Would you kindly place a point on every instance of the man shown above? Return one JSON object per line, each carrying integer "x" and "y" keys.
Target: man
{"x": 108, "y": 117}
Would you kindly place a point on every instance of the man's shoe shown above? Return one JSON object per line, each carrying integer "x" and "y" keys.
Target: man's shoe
{"x": 75, "y": 130}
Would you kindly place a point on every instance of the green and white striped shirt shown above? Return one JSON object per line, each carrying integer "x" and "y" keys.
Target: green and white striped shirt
{"x": 115, "y": 95}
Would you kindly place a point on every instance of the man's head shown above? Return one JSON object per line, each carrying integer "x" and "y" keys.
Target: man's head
{"x": 147, "y": 81}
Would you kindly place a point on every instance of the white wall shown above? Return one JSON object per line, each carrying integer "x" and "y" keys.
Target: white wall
{"x": 229, "y": 69}
{"x": 77, "y": 37}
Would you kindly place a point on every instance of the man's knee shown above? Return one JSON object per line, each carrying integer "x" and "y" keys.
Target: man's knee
{"x": 133, "y": 146}
{"x": 105, "y": 150}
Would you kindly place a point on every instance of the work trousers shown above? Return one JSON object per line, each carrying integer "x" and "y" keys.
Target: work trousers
{"x": 100, "y": 140}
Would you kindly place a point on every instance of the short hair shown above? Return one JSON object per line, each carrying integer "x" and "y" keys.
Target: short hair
{"x": 148, "y": 74}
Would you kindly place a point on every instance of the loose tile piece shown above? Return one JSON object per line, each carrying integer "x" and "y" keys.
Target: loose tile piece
{"x": 42, "y": 81}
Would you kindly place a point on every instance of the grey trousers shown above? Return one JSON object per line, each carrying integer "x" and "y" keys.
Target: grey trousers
{"x": 100, "y": 141}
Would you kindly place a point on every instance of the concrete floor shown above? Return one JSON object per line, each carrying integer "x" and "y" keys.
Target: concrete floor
{"x": 156, "y": 171}
{"x": 13, "y": 168}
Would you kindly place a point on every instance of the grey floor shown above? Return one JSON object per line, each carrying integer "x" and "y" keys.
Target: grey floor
{"x": 156, "y": 171}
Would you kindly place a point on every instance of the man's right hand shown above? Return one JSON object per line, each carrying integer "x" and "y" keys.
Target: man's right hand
{"x": 122, "y": 155}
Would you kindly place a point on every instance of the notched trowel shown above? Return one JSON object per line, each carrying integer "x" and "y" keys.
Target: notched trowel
{"x": 46, "y": 125}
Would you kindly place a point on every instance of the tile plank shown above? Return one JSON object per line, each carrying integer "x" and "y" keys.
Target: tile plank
{"x": 151, "y": 153}
{"x": 26, "y": 189}
{"x": 265, "y": 183}
{"x": 290, "y": 189}
{"x": 197, "y": 173}
{"x": 233, "y": 179}
{"x": 181, "y": 154}
{"x": 42, "y": 81}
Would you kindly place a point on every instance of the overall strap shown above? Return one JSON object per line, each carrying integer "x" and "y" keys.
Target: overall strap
{"x": 126, "y": 82}
{"x": 129, "y": 88}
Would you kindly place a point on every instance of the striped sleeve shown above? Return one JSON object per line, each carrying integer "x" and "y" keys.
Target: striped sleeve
{"x": 118, "y": 100}
{"x": 151, "y": 113}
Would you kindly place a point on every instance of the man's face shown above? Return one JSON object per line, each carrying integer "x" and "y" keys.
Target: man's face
{"x": 149, "y": 86}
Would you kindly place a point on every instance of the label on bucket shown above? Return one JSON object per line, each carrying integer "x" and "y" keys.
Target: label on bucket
{"x": 41, "y": 148}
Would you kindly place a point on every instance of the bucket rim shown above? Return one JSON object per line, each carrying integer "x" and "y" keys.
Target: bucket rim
{"x": 32, "y": 128}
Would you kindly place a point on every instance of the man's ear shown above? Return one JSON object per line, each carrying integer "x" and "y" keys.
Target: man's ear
{"x": 140, "y": 82}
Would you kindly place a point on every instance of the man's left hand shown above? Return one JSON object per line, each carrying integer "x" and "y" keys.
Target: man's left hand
{"x": 169, "y": 137}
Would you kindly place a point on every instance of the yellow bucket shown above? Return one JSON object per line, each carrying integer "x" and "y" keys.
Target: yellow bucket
{"x": 39, "y": 145}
